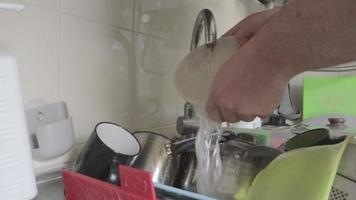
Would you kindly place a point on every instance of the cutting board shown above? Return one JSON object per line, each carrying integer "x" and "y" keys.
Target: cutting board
{"x": 329, "y": 95}
{"x": 300, "y": 174}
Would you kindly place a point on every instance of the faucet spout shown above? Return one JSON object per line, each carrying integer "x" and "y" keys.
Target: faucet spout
{"x": 205, "y": 20}
{"x": 188, "y": 124}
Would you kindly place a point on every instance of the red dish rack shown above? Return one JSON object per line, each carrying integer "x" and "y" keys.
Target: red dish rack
{"x": 135, "y": 185}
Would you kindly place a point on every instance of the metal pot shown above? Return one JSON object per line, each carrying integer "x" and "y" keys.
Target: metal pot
{"x": 156, "y": 156}
{"x": 187, "y": 175}
{"x": 241, "y": 162}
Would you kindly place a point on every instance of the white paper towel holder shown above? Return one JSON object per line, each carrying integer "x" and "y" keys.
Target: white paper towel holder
{"x": 17, "y": 178}
{"x": 51, "y": 130}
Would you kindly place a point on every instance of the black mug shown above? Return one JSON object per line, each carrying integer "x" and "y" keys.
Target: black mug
{"x": 109, "y": 146}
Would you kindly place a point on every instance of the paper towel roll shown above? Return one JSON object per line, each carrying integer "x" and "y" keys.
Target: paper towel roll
{"x": 17, "y": 179}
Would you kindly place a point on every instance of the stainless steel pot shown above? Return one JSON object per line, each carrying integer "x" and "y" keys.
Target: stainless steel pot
{"x": 187, "y": 176}
{"x": 162, "y": 156}
{"x": 241, "y": 162}
{"x": 156, "y": 156}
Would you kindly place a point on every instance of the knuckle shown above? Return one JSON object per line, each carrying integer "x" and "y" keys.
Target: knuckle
{"x": 264, "y": 114}
{"x": 230, "y": 105}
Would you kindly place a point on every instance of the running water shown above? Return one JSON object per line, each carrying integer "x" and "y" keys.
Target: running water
{"x": 209, "y": 167}
{"x": 193, "y": 78}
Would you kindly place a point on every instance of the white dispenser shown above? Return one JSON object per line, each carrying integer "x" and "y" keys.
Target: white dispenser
{"x": 51, "y": 130}
{"x": 17, "y": 179}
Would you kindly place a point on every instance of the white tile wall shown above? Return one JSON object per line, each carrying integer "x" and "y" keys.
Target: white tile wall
{"x": 110, "y": 60}
{"x": 95, "y": 79}
{"x": 156, "y": 59}
{"x": 33, "y": 36}
{"x": 157, "y": 17}
{"x": 118, "y": 13}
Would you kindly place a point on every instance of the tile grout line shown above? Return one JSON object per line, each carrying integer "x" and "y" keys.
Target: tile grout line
{"x": 132, "y": 71}
{"x": 61, "y": 53}
{"x": 100, "y": 23}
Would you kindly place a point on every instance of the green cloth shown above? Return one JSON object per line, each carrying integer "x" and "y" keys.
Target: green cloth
{"x": 329, "y": 95}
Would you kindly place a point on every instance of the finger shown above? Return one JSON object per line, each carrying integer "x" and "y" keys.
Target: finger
{"x": 232, "y": 30}
{"x": 243, "y": 39}
{"x": 246, "y": 29}
{"x": 252, "y": 21}
{"x": 213, "y": 112}
{"x": 228, "y": 115}
{"x": 247, "y": 117}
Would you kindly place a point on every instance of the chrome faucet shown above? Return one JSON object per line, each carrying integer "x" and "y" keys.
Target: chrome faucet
{"x": 188, "y": 124}
{"x": 206, "y": 20}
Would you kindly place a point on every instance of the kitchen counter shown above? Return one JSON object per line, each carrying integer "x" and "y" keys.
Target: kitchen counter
{"x": 51, "y": 189}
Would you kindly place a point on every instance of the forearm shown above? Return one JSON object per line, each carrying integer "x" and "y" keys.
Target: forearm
{"x": 308, "y": 34}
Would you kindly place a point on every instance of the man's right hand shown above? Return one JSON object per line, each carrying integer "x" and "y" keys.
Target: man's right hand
{"x": 248, "y": 27}
{"x": 275, "y": 46}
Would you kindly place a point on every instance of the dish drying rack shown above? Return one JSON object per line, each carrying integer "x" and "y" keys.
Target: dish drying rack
{"x": 136, "y": 184}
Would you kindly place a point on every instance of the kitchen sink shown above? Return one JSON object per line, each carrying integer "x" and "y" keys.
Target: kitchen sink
{"x": 51, "y": 186}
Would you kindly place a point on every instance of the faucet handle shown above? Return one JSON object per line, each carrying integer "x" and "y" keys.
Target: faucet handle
{"x": 189, "y": 111}
{"x": 187, "y": 124}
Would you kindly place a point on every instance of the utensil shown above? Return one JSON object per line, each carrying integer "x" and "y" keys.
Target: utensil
{"x": 314, "y": 137}
{"x": 108, "y": 146}
{"x": 162, "y": 156}
{"x": 167, "y": 159}
{"x": 179, "y": 193}
{"x": 157, "y": 157}
{"x": 260, "y": 156}
{"x": 324, "y": 121}
{"x": 187, "y": 176}
{"x": 242, "y": 161}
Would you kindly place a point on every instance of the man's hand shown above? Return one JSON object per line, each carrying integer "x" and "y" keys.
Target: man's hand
{"x": 248, "y": 27}
{"x": 237, "y": 93}
{"x": 245, "y": 88}
{"x": 276, "y": 45}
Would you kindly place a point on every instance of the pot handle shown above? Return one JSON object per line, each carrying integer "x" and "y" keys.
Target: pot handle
{"x": 182, "y": 146}
{"x": 188, "y": 145}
